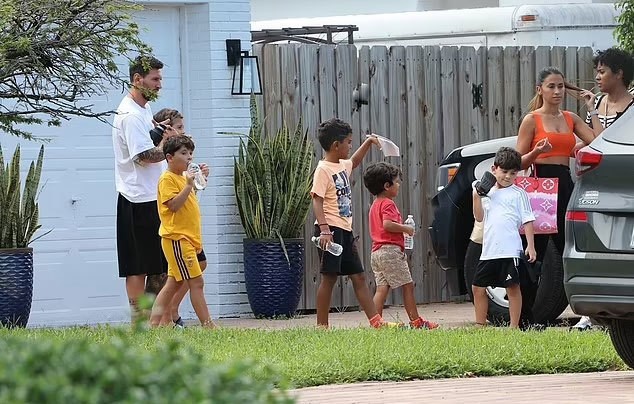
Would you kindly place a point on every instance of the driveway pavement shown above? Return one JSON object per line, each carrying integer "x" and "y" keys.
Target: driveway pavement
{"x": 595, "y": 388}
{"x": 448, "y": 315}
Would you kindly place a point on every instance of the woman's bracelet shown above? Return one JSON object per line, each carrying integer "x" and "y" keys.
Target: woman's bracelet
{"x": 594, "y": 112}
{"x": 326, "y": 233}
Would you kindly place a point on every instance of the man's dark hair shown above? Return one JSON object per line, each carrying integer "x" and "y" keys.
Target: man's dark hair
{"x": 616, "y": 59}
{"x": 173, "y": 144}
{"x": 377, "y": 174}
{"x": 508, "y": 158}
{"x": 142, "y": 65}
{"x": 331, "y": 131}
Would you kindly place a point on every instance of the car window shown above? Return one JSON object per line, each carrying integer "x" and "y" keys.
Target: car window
{"x": 622, "y": 130}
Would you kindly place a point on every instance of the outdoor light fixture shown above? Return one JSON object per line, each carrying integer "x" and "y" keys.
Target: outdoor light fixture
{"x": 246, "y": 70}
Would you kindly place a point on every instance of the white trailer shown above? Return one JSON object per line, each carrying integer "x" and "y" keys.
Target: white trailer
{"x": 526, "y": 25}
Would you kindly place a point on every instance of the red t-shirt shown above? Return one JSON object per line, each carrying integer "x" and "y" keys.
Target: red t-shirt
{"x": 384, "y": 209}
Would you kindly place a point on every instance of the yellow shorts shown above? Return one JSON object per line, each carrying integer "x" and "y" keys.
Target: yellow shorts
{"x": 182, "y": 262}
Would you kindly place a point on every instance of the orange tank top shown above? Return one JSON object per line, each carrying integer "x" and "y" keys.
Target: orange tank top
{"x": 563, "y": 142}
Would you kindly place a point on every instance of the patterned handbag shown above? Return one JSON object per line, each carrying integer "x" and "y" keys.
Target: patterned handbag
{"x": 542, "y": 193}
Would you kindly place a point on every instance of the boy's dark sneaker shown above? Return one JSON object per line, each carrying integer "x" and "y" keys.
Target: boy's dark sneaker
{"x": 485, "y": 184}
{"x": 179, "y": 323}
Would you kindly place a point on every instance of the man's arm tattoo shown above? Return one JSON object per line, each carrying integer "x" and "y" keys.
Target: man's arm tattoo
{"x": 151, "y": 156}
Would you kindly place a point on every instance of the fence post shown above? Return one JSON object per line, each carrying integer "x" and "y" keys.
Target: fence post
{"x": 434, "y": 284}
{"x": 413, "y": 151}
{"x": 495, "y": 80}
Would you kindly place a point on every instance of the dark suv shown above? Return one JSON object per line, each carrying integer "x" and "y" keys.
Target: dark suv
{"x": 599, "y": 253}
{"x": 452, "y": 225}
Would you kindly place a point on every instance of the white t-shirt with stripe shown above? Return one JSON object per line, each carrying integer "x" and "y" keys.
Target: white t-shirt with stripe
{"x": 506, "y": 211}
{"x": 606, "y": 120}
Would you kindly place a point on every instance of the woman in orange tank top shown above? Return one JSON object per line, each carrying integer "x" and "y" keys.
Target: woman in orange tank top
{"x": 560, "y": 128}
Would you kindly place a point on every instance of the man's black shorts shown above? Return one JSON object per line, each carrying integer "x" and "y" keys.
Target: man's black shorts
{"x": 499, "y": 273}
{"x": 139, "y": 249}
{"x": 348, "y": 263}
{"x": 201, "y": 256}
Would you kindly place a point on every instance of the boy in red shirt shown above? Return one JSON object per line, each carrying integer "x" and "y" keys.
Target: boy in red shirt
{"x": 388, "y": 259}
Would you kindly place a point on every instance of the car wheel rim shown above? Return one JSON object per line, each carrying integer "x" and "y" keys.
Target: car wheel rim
{"x": 498, "y": 296}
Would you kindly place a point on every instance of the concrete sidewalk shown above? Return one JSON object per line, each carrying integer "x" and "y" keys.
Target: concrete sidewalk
{"x": 605, "y": 387}
{"x": 448, "y": 315}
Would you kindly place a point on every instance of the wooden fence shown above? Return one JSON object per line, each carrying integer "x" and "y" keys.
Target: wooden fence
{"x": 429, "y": 100}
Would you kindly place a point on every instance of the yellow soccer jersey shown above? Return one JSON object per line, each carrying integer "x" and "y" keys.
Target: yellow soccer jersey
{"x": 185, "y": 223}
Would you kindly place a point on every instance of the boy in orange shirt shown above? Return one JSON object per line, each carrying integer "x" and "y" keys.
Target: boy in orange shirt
{"x": 332, "y": 204}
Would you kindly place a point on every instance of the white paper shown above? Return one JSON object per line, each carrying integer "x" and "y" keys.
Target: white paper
{"x": 389, "y": 148}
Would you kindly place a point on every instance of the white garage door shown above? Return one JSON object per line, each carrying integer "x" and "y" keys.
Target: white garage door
{"x": 76, "y": 277}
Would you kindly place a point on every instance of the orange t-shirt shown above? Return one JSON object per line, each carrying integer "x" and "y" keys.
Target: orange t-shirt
{"x": 332, "y": 183}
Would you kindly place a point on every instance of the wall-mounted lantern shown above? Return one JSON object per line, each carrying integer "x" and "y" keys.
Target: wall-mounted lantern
{"x": 246, "y": 70}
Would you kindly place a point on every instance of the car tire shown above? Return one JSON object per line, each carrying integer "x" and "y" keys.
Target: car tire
{"x": 622, "y": 336}
{"x": 498, "y": 314}
{"x": 551, "y": 299}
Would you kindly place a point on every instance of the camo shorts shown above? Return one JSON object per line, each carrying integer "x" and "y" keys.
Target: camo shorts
{"x": 389, "y": 264}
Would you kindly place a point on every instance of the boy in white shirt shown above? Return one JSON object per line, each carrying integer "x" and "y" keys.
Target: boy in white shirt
{"x": 503, "y": 211}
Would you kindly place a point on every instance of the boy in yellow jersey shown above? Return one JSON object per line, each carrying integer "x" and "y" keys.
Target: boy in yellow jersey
{"x": 180, "y": 232}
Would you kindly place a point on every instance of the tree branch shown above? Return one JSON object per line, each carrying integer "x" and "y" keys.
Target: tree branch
{"x": 56, "y": 55}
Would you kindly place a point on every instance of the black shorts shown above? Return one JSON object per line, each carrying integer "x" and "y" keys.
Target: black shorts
{"x": 201, "y": 256}
{"x": 499, "y": 273}
{"x": 139, "y": 249}
{"x": 348, "y": 263}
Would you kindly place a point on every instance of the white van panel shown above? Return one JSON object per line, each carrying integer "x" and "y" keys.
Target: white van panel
{"x": 554, "y": 25}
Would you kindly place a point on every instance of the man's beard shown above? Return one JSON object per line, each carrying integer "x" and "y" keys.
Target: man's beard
{"x": 148, "y": 94}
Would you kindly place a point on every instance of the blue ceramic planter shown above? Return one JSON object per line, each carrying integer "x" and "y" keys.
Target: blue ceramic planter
{"x": 16, "y": 286}
{"x": 274, "y": 284}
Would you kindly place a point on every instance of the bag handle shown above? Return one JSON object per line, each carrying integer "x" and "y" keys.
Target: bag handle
{"x": 530, "y": 171}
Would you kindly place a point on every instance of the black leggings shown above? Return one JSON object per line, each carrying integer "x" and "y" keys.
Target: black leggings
{"x": 563, "y": 197}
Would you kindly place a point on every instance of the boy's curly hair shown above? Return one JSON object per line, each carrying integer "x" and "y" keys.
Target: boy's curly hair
{"x": 378, "y": 174}
{"x": 331, "y": 131}
{"x": 508, "y": 158}
{"x": 173, "y": 144}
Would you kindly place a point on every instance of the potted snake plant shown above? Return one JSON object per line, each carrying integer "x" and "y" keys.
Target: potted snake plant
{"x": 19, "y": 216}
{"x": 273, "y": 177}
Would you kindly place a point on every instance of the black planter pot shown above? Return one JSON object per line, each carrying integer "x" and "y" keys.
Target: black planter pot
{"x": 274, "y": 284}
{"x": 16, "y": 286}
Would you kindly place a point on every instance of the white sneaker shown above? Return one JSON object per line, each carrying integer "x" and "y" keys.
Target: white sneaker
{"x": 584, "y": 324}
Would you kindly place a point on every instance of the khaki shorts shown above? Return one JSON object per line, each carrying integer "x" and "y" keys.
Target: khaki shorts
{"x": 390, "y": 268}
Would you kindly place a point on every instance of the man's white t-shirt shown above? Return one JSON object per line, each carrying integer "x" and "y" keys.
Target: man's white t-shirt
{"x": 506, "y": 211}
{"x": 137, "y": 182}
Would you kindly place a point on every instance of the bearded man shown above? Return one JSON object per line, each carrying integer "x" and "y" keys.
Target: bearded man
{"x": 138, "y": 166}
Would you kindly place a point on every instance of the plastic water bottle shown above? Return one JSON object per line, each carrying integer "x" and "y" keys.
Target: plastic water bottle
{"x": 333, "y": 248}
{"x": 409, "y": 240}
{"x": 200, "y": 182}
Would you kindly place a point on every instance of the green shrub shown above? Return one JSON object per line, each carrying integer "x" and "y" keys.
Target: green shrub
{"x": 79, "y": 370}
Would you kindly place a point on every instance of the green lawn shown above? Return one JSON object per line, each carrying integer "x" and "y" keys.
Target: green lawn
{"x": 310, "y": 357}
